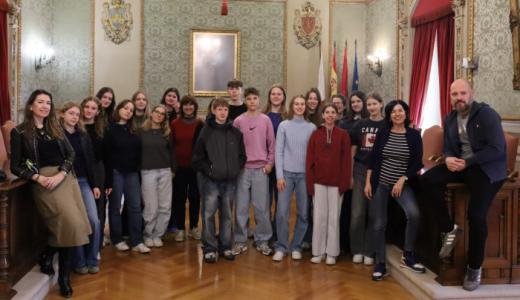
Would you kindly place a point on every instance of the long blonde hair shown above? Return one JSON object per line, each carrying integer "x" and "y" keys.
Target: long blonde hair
{"x": 283, "y": 108}
{"x": 66, "y": 106}
{"x": 134, "y": 97}
{"x": 164, "y": 124}
{"x": 99, "y": 121}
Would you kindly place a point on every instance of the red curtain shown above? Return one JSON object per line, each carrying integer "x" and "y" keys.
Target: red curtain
{"x": 446, "y": 49}
{"x": 431, "y": 10}
{"x": 423, "y": 44}
{"x": 5, "y": 105}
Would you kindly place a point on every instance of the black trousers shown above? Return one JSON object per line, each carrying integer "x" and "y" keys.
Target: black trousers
{"x": 185, "y": 186}
{"x": 482, "y": 192}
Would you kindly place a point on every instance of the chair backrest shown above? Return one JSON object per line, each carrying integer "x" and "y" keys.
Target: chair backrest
{"x": 4, "y": 160}
{"x": 6, "y": 132}
{"x": 512, "y": 150}
{"x": 432, "y": 145}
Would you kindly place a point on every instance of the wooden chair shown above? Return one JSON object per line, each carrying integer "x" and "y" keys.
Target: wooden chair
{"x": 512, "y": 150}
{"x": 6, "y": 131}
{"x": 6, "y": 144}
{"x": 432, "y": 147}
{"x": 4, "y": 159}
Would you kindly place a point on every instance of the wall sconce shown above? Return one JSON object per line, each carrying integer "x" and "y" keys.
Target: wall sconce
{"x": 43, "y": 57}
{"x": 375, "y": 64}
{"x": 375, "y": 61}
{"x": 470, "y": 63}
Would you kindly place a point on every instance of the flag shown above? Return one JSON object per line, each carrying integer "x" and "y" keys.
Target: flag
{"x": 355, "y": 75}
{"x": 333, "y": 74}
{"x": 321, "y": 76}
{"x": 344, "y": 73}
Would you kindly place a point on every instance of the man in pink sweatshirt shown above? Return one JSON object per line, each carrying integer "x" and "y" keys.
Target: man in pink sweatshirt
{"x": 253, "y": 181}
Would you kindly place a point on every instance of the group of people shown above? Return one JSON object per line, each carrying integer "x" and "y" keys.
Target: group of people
{"x": 82, "y": 156}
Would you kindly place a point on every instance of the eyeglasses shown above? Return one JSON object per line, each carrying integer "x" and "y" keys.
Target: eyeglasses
{"x": 160, "y": 112}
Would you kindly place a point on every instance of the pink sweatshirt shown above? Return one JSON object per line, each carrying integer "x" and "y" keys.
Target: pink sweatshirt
{"x": 259, "y": 139}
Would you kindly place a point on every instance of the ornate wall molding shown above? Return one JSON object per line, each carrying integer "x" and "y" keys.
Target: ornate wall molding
{"x": 403, "y": 29}
{"x": 13, "y": 40}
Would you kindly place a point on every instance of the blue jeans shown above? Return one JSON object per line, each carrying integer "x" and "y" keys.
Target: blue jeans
{"x": 293, "y": 182}
{"x": 378, "y": 215}
{"x": 216, "y": 195}
{"x": 252, "y": 188}
{"x": 126, "y": 184}
{"x": 87, "y": 255}
{"x": 360, "y": 235}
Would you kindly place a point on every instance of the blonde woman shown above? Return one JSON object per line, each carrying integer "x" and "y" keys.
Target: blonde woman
{"x": 85, "y": 260}
{"x": 141, "y": 108}
{"x": 157, "y": 164}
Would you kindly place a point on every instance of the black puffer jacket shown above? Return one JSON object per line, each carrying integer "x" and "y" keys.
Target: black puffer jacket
{"x": 219, "y": 151}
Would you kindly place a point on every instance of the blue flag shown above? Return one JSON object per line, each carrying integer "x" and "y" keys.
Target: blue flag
{"x": 355, "y": 75}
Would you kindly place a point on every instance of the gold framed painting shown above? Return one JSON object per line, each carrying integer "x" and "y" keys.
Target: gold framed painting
{"x": 214, "y": 60}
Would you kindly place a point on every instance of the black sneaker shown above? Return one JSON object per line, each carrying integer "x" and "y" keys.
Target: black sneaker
{"x": 228, "y": 254}
{"x": 210, "y": 257}
{"x": 409, "y": 261}
{"x": 448, "y": 241}
{"x": 472, "y": 279}
{"x": 379, "y": 272}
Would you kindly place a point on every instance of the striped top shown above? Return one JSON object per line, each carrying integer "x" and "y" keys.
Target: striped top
{"x": 396, "y": 154}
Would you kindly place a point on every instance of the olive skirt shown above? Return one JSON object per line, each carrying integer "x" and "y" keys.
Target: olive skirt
{"x": 63, "y": 211}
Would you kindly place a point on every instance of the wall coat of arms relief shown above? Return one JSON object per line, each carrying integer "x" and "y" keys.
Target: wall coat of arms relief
{"x": 117, "y": 20}
{"x": 307, "y": 25}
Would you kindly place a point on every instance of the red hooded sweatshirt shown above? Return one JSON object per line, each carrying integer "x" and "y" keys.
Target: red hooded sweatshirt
{"x": 328, "y": 159}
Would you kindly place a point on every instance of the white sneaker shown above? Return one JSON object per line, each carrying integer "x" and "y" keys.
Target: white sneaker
{"x": 148, "y": 242}
{"x": 239, "y": 248}
{"x": 368, "y": 261}
{"x": 195, "y": 234}
{"x": 141, "y": 248}
{"x": 122, "y": 246}
{"x": 180, "y": 236}
{"x": 331, "y": 260}
{"x": 278, "y": 256}
{"x": 157, "y": 242}
{"x": 106, "y": 240}
{"x": 357, "y": 258}
{"x": 296, "y": 255}
{"x": 317, "y": 259}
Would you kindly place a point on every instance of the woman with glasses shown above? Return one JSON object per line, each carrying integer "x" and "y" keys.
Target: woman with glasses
{"x": 156, "y": 175}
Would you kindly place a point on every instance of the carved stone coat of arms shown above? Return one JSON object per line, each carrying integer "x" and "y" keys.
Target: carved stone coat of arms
{"x": 307, "y": 25}
{"x": 117, "y": 20}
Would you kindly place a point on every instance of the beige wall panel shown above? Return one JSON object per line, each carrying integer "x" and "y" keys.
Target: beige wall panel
{"x": 349, "y": 23}
{"x": 302, "y": 63}
{"x": 117, "y": 66}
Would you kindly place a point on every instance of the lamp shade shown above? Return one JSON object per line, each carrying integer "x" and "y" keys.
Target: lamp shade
{"x": 224, "y": 8}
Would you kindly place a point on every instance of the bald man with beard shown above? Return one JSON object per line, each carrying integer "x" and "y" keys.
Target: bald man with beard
{"x": 475, "y": 154}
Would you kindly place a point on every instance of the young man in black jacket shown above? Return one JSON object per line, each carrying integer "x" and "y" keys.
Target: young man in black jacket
{"x": 218, "y": 158}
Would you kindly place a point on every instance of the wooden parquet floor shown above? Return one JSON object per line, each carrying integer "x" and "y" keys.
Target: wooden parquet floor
{"x": 177, "y": 271}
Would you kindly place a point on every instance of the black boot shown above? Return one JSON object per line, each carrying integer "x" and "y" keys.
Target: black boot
{"x": 46, "y": 259}
{"x": 65, "y": 258}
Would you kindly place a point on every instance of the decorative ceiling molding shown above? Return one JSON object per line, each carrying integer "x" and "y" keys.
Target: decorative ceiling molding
{"x": 352, "y": 1}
